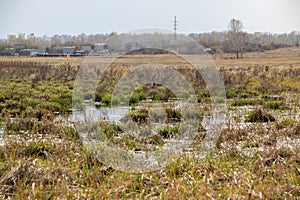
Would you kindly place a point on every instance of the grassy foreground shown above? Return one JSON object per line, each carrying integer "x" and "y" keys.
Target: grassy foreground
{"x": 43, "y": 158}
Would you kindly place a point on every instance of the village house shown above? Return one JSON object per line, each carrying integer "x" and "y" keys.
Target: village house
{"x": 42, "y": 50}
{"x": 64, "y": 50}
{"x": 100, "y": 48}
{"x": 86, "y": 49}
{"x": 28, "y": 52}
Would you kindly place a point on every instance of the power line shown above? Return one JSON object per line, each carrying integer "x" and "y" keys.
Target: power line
{"x": 175, "y": 27}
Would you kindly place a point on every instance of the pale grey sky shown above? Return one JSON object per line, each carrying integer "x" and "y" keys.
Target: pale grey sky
{"x": 104, "y": 16}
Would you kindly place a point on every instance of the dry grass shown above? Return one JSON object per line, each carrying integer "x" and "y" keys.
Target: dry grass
{"x": 64, "y": 169}
{"x": 44, "y": 159}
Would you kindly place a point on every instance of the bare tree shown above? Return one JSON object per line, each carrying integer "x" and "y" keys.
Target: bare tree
{"x": 236, "y": 35}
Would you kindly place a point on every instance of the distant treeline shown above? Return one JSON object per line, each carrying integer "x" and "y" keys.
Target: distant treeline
{"x": 252, "y": 42}
{"x": 216, "y": 42}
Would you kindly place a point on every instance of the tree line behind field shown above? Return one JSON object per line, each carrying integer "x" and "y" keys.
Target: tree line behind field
{"x": 232, "y": 40}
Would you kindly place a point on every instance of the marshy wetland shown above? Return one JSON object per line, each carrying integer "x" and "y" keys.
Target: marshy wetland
{"x": 257, "y": 155}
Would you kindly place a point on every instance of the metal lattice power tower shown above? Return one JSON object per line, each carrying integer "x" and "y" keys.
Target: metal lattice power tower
{"x": 175, "y": 27}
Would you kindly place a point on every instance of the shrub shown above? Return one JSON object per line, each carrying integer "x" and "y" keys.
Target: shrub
{"x": 231, "y": 93}
{"x": 168, "y": 132}
{"x": 106, "y": 98}
{"x": 140, "y": 116}
{"x": 134, "y": 98}
{"x": 259, "y": 115}
{"x": 275, "y": 105}
{"x": 173, "y": 115}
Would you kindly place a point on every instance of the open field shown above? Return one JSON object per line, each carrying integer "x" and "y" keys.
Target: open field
{"x": 257, "y": 155}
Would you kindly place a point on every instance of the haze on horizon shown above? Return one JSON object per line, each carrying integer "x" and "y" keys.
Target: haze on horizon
{"x": 194, "y": 16}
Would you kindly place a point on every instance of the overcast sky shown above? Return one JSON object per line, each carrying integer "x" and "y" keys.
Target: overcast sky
{"x": 104, "y": 16}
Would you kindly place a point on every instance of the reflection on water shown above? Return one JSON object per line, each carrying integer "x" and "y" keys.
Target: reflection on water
{"x": 92, "y": 114}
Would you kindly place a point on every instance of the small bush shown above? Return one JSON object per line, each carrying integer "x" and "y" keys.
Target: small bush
{"x": 231, "y": 93}
{"x": 275, "y": 105}
{"x": 98, "y": 97}
{"x": 106, "y": 98}
{"x": 102, "y": 130}
{"x": 168, "y": 132}
{"x": 260, "y": 115}
{"x": 134, "y": 99}
{"x": 140, "y": 116}
{"x": 173, "y": 115}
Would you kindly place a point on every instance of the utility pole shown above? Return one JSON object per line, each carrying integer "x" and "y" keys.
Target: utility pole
{"x": 175, "y": 27}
